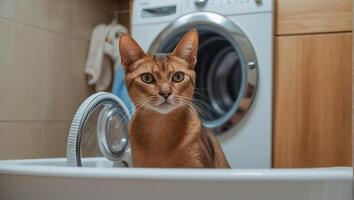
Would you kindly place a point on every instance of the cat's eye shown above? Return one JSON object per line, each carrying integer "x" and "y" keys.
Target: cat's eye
{"x": 178, "y": 77}
{"x": 147, "y": 78}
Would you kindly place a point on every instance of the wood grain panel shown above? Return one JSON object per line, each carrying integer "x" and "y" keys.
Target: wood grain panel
{"x": 313, "y": 16}
{"x": 353, "y": 100}
{"x": 312, "y": 101}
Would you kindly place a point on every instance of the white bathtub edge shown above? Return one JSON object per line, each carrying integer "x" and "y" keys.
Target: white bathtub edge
{"x": 21, "y": 167}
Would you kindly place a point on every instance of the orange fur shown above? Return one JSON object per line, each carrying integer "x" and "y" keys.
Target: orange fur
{"x": 165, "y": 130}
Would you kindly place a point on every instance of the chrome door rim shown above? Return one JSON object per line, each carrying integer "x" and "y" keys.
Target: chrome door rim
{"x": 228, "y": 29}
{"x": 74, "y": 141}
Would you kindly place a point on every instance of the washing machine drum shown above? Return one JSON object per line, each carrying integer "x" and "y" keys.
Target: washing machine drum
{"x": 226, "y": 69}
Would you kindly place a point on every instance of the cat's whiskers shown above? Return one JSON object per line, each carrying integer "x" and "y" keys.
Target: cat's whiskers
{"x": 190, "y": 102}
{"x": 191, "y": 111}
{"x": 142, "y": 102}
{"x": 193, "y": 99}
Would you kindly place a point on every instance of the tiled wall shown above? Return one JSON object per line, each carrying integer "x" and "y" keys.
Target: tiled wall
{"x": 43, "y": 48}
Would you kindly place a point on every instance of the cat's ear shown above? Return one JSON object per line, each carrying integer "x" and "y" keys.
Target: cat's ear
{"x": 129, "y": 50}
{"x": 187, "y": 47}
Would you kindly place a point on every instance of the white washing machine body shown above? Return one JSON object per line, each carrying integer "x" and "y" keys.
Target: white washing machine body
{"x": 247, "y": 143}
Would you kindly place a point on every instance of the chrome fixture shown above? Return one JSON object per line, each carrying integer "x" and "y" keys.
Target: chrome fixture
{"x": 100, "y": 129}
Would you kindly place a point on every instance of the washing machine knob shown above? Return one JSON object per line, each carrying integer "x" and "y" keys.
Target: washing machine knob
{"x": 200, "y": 3}
{"x": 258, "y": 2}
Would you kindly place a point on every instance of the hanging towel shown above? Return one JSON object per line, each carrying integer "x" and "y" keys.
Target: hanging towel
{"x": 95, "y": 56}
{"x": 111, "y": 44}
{"x": 103, "y": 55}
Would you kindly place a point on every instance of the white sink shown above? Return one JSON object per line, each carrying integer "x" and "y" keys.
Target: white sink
{"x": 51, "y": 179}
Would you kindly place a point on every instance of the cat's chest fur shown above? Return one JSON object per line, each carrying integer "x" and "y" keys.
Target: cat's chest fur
{"x": 165, "y": 140}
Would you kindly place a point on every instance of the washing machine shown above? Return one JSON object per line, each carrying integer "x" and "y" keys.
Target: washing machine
{"x": 233, "y": 70}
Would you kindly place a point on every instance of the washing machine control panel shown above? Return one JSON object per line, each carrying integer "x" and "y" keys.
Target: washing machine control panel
{"x": 200, "y": 3}
{"x": 156, "y": 11}
{"x": 228, "y": 7}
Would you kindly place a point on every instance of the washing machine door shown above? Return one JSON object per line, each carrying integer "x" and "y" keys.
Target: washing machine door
{"x": 226, "y": 69}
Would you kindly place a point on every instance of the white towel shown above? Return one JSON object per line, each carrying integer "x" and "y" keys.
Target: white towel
{"x": 111, "y": 45}
{"x": 103, "y": 53}
{"x": 95, "y": 54}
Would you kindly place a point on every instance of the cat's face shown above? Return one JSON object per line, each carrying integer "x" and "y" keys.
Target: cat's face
{"x": 161, "y": 82}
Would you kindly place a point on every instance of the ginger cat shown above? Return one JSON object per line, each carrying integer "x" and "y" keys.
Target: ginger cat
{"x": 165, "y": 130}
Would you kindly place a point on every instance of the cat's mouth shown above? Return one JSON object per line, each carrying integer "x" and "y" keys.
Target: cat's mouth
{"x": 164, "y": 106}
{"x": 164, "y": 103}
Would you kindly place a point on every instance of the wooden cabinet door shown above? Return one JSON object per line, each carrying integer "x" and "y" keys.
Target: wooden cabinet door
{"x": 313, "y": 16}
{"x": 312, "y": 101}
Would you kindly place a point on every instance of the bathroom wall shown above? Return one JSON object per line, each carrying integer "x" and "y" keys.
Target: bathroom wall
{"x": 43, "y": 48}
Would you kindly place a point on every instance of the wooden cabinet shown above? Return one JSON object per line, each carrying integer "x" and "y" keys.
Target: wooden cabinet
{"x": 312, "y": 101}
{"x": 312, "y": 83}
{"x": 313, "y": 16}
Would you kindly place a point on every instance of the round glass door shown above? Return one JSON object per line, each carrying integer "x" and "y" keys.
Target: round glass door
{"x": 226, "y": 69}
{"x": 99, "y": 133}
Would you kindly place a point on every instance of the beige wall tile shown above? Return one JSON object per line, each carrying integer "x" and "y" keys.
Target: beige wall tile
{"x": 23, "y": 11}
{"x": 54, "y": 16}
{"x": 6, "y": 39}
{"x": 80, "y": 90}
{"x": 16, "y": 10}
{"x": 46, "y": 78}
{"x": 22, "y": 82}
{"x": 60, "y": 14}
{"x": 87, "y": 14}
{"x": 19, "y": 140}
{"x": 43, "y": 49}
{"x": 59, "y": 80}
{"x": 40, "y": 15}
{"x": 7, "y": 8}
{"x": 66, "y": 83}
{"x": 70, "y": 17}
{"x": 27, "y": 49}
{"x": 53, "y": 139}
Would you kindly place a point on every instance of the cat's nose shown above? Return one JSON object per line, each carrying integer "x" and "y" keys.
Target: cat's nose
{"x": 165, "y": 94}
